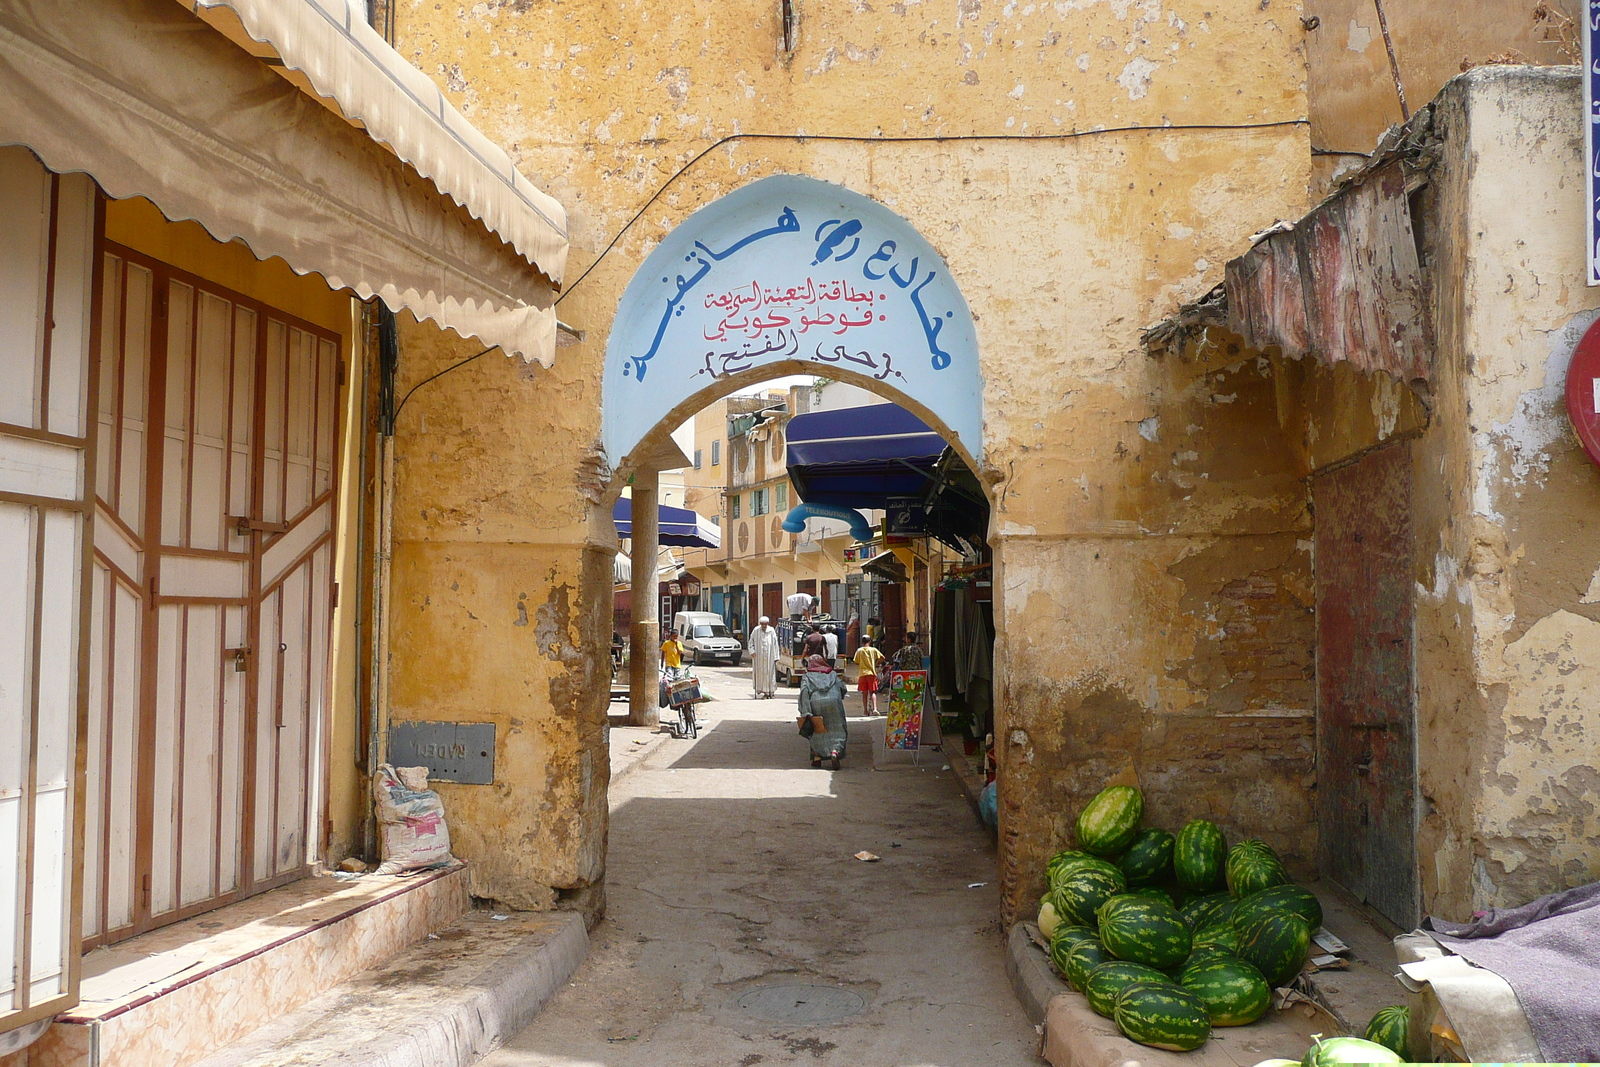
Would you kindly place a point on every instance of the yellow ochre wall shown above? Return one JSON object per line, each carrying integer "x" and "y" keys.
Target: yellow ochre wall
{"x": 1064, "y": 248}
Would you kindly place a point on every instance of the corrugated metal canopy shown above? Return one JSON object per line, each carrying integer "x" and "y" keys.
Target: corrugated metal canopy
{"x": 151, "y": 101}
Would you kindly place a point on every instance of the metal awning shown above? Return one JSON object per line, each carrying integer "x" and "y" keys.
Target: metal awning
{"x": 680, "y": 527}
{"x": 151, "y": 101}
{"x": 886, "y": 565}
{"x": 861, "y": 457}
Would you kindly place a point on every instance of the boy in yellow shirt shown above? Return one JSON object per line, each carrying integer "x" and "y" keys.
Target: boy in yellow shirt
{"x": 672, "y": 653}
{"x": 868, "y": 660}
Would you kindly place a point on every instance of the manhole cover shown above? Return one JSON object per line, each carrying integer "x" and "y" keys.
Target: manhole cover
{"x": 802, "y": 1003}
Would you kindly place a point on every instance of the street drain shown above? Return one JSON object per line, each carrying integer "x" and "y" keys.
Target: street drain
{"x": 803, "y": 1004}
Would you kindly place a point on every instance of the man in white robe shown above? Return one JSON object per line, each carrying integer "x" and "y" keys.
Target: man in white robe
{"x": 764, "y": 658}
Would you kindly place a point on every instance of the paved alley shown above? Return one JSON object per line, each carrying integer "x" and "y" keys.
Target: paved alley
{"x": 731, "y": 876}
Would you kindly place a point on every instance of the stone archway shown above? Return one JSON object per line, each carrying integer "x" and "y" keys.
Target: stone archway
{"x": 788, "y": 275}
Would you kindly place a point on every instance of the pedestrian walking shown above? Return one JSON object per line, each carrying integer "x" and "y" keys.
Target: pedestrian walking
{"x": 868, "y": 659}
{"x": 910, "y": 656}
{"x": 815, "y": 643}
{"x": 764, "y": 658}
{"x": 822, "y": 710}
{"x": 830, "y": 639}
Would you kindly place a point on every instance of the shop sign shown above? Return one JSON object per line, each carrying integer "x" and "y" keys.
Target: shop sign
{"x": 1583, "y": 392}
{"x": 903, "y": 730}
{"x": 904, "y": 517}
{"x": 1591, "y": 79}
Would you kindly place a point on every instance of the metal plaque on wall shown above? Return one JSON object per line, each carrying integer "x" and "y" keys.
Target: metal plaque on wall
{"x": 452, "y": 751}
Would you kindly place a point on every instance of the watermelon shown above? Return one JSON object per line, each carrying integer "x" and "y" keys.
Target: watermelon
{"x": 1277, "y": 1063}
{"x": 1199, "y": 853}
{"x": 1200, "y": 910}
{"x": 1061, "y": 860}
{"x": 1082, "y": 958}
{"x": 1153, "y": 892}
{"x": 1081, "y": 890}
{"x": 1109, "y": 979}
{"x": 1219, "y": 933}
{"x": 1303, "y": 902}
{"x": 1149, "y": 858}
{"x": 1065, "y": 940}
{"x": 1202, "y": 955}
{"x": 1108, "y": 823}
{"x": 1346, "y": 1050}
{"x": 1144, "y": 931}
{"x": 1391, "y": 1029}
{"x": 1277, "y": 943}
{"x": 1162, "y": 1016}
{"x": 1233, "y": 992}
{"x": 1253, "y": 866}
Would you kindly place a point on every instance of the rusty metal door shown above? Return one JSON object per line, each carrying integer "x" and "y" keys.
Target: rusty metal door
{"x": 1366, "y": 718}
{"x": 212, "y": 600}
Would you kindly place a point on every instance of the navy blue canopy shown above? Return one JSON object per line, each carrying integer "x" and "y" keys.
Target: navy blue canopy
{"x": 680, "y": 527}
{"x": 861, "y": 457}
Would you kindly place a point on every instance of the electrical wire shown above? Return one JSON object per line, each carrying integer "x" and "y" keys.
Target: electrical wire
{"x": 932, "y": 138}
{"x": 939, "y": 138}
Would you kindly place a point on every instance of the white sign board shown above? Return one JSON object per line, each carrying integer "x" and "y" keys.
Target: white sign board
{"x": 791, "y": 270}
{"x": 1591, "y": 92}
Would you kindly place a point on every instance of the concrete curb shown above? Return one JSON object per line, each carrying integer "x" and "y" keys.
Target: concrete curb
{"x": 635, "y": 755}
{"x": 445, "y": 1002}
{"x": 1032, "y": 979}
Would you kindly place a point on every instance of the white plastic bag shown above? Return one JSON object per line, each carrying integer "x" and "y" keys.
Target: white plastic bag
{"x": 410, "y": 819}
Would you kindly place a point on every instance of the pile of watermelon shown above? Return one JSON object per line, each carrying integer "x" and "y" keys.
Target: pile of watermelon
{"x": 1172, "y": 934}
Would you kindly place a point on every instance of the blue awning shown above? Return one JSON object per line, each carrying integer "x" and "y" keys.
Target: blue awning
{"x": 861, "y": 457}
{"x": 680, "y": 527}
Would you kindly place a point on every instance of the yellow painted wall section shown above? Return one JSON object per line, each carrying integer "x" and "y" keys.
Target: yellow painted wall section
{"x": 1063, "y": 248}
{"x": 1509, "y": 608}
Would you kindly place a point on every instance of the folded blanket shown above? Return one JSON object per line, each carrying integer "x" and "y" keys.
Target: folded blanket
{"x": 1549, "y": 952}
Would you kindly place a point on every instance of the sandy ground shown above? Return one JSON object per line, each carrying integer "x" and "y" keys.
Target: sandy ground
{"x": 732, "y": 871}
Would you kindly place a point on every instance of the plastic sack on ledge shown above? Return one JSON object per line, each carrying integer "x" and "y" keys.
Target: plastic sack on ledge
{"x": 410, "y": 820}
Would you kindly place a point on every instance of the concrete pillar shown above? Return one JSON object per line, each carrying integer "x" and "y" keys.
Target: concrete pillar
{"x": 644, "y": 654}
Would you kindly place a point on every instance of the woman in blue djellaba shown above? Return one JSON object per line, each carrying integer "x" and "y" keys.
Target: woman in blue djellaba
{"x": 822, "y": 694}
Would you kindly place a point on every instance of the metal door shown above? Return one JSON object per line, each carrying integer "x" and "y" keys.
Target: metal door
{"x": 1366, "y": 771}
{"x": 212, "y": 596}
{"x": 46, "y": 461}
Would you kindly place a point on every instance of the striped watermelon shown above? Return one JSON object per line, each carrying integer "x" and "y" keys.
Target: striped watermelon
{"x": 1082, "y": 889}
{"x": 1200, "y": 910}
{"x": 1082, "y": 958}
{"x": 1144, "y": 931}
{"x": 1219, "y": 933}
{"x": 1198, "y": 855}
{"x": 1391, "y": 1028}
{"x": 1149, "y": 858}
{"x": 1253, "y": 866}
{"x": 1202, "y": 955}
{"x": 1108, "y": 823}
{"x": 1337, "y": 1050}
{"x": 1063, "y": 859}
{"x": 1303, "y": 902}
{"x": 1109, "y": 979}
{"x": 1153, "y": 892}
{"x": 1277, "y": 943}
{"x": 1162, "y": 1016}
{"x": 1233, "y": 992}
{"x": 1065, "y": 939}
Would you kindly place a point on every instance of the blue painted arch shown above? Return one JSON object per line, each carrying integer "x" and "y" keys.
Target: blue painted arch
{"x": 791, "y": 275}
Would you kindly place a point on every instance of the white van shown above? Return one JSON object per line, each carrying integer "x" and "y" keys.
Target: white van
{"x": 706, "y": 639}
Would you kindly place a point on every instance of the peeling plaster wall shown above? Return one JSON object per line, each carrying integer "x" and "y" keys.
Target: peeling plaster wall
{"x": 1508, "y": 635}
{"x": 1351, "y": 86}
{"x": 501, "y": 598}
{"x": 1145, "y": 560}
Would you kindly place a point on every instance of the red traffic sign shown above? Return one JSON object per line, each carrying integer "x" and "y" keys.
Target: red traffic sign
{"x": 1583, "y": 392}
